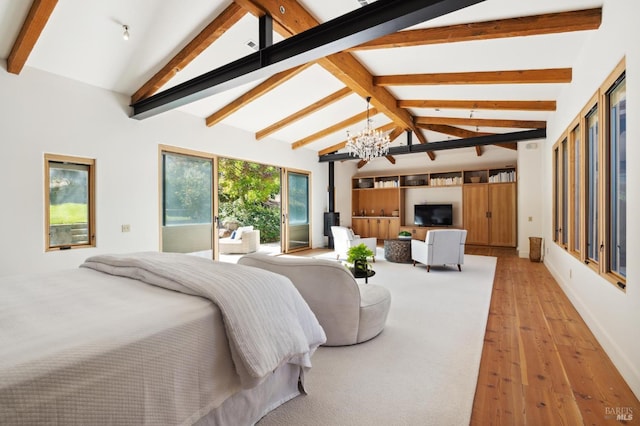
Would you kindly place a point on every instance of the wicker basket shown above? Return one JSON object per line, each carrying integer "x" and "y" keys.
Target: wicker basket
{"x": 535, "y": 249}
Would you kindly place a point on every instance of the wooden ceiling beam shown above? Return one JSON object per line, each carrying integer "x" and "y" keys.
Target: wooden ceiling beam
{"x": 395, "y": 133}
{"x": 32, "y": 27}
{"x": 316, "y": 106}
{"x": 344, "y": 66}
{"x": 463, "y": 133}
{"x": 253, "y": 94}
{"x": 510, "y": 145}
{"x": 257, "y": 11}
{"x": 195, "y": 47}
{"x": 476, "y": 105}
{"x": 334, "y": 148}
{"x": 550, "y": 23}
{"x": 551, "y": 75}
{"x": 452, "y": 130}
{"x": 484, "y": 122}
{"x": 332, "y": 129}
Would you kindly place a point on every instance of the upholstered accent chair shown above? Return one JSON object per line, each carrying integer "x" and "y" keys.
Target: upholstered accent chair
{"x": 440, "y": 247}
{"x": 344, "y": 238}
{"x": 349, "y": 312}
{"x": 242, "y": 241}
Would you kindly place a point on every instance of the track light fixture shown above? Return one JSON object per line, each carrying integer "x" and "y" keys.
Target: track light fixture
{"x": 125, "y": 34}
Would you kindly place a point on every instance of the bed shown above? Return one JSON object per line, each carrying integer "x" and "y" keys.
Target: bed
{"x": 151, "y": 338}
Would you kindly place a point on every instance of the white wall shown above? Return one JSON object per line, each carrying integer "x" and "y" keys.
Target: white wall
{"x": 43, "y": 113}
{"x": 612, "y": 315}
{"x": 530, "y": 193}
{"x": 435, "y": 195}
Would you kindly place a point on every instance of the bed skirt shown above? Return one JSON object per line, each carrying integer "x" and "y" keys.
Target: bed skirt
{"x": 248, "y": 406}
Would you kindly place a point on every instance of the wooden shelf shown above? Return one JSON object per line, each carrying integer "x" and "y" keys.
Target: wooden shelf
{"x": 376, "y": 198}
{"x": 414, "y": 181}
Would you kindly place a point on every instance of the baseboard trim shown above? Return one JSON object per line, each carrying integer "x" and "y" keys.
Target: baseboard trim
{"x": 627, "y": 369}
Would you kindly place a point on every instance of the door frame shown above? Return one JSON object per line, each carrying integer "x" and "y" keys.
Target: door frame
{"x": 162, "y": 149}
{"x": 285, "y": 231}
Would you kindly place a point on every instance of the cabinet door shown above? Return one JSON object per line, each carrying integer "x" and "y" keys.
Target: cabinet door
{"x": 502, "y": 223}
{"x": 475, "y": 212}
{"x": 394, "y": 228}
{"x": 357, "y": 225}
{"x": 383, "y": 229}
{"x": 373, "y": 227}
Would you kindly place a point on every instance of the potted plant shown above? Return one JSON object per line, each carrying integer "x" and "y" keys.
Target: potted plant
{"x": 404, "y": 235}
{"x": 358, "y": 256}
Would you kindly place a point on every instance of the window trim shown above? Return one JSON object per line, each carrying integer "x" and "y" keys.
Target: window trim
{"x": 174, "y": 150}
{"x": 587, "y": 112}
{"x": 91, "y": 188}
{"x": 618, "y": 73}
{"x": 598, "y": 104}
{"x": 575, "y": 213}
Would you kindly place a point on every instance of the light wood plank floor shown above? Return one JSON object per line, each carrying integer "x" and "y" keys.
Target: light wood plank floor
{"x": 541, "y": 365}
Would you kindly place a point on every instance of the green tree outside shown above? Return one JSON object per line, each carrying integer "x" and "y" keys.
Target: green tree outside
{"x": 249, "y": 194}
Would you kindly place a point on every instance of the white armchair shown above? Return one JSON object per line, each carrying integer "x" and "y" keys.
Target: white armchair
{"x": 344, "y": 238}
{"x": 247, "y": 242}
{"x": 440, "y": 247}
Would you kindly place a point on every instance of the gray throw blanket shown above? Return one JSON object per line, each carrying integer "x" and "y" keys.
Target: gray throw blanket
{"x": 267, "y": 321}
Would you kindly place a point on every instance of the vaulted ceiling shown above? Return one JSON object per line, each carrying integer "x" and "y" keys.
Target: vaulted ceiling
{"x": 492, "y": 68}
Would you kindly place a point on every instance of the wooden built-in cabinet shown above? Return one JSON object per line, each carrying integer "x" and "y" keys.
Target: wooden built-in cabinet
{"x": 488, "y": 204}
{"x": 380, "y": 227}
{"x": 489, "y": 214}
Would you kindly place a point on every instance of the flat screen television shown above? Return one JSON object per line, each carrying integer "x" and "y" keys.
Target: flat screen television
{"x": 433, "y": 214}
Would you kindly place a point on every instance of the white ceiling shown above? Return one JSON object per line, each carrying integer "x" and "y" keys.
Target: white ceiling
{"x": 83, "y": 41}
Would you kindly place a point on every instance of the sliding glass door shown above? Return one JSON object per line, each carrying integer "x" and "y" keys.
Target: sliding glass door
{"x": 187, "y": 203}
{"x": 296, "y": 211}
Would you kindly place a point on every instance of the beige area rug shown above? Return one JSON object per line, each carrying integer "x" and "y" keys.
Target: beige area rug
{"x": 421, "y": 370}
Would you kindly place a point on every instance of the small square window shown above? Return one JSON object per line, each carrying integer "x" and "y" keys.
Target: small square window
{"x": 69, "y": 202}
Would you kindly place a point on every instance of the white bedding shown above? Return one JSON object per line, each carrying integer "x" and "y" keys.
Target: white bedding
{"x": 85, "y": 347}
{"x": 267, "y": 321}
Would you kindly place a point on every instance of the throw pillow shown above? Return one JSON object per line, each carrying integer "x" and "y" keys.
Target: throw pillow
{"x": 241, "y": 230}
{"x": 350, "y": 234}
{"x": 233, "y": 235}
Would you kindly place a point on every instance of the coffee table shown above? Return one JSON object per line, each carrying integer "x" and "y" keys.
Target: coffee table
{"x": 397, "y": 250}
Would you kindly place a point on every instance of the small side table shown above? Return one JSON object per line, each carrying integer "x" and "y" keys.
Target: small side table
{"x": 397, "y": 250}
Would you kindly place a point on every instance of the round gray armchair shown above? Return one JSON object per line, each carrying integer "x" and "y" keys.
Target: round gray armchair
{"x": 349, "y": 312}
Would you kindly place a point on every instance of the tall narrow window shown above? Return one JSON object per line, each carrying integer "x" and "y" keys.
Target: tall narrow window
{"x": 565, "y": 194}
{"x": 576, "y": 188}
{"x": 593, "y": 249}
{"x": 69, "y": 202}
{"x": 617, "y": 176}
{"x": 557, "y": 204}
